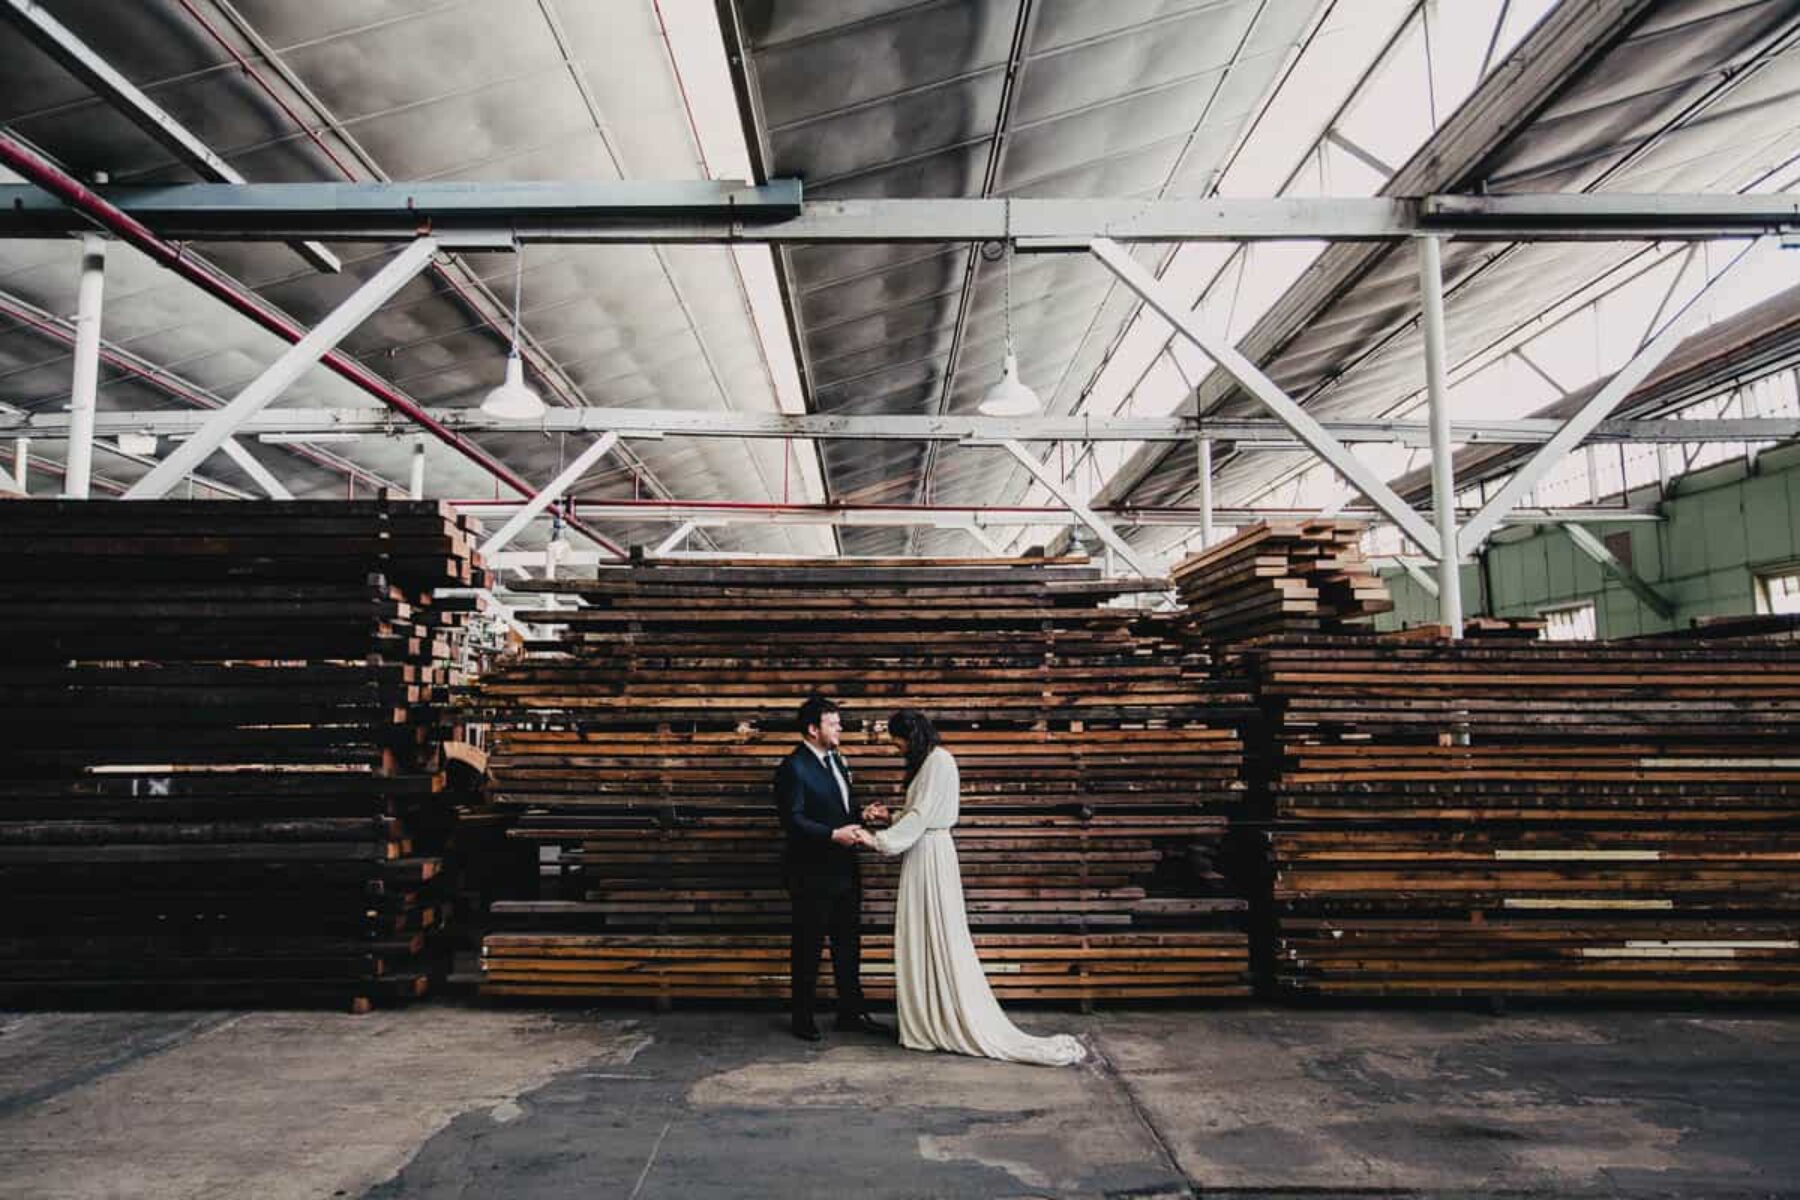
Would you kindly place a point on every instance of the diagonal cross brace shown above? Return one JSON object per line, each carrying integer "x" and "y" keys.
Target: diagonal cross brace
{"x": 254, "y": 468}
{"x": 1602, "y": 402}
{"x": 1082, "y": 512}
{"x": 1609, "y": 562}
{"x": 284, "y": 371}
{"x": 1284, "y": 407}
{"x": 528, "y": 512}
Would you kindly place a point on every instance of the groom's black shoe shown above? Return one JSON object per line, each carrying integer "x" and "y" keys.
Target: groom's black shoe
{"x": 863, "y": 1023}
{"x": 807, "y": 1032}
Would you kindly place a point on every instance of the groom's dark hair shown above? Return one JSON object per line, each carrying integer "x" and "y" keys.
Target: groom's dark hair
{"x": 813, "y": 711}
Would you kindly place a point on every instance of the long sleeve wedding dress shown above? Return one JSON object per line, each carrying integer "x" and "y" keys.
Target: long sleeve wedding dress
{"x": 944, "y": 998}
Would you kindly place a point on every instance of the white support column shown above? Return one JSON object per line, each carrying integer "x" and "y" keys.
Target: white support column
{"x": 1589, "y": 416}
{"x": 529, "y": 511}
{"x": 281, "y": 374}
{"x": 78, "y": 476}
{"x": 22, "y": 465}
{"x": 1443, "y": 478}
{"x": 1084, "y": 514}
{"x": 416, "y": 485}
{"x": 1204, "y": 446}
{"x": 676, "y": 538}
{"x": 248, "y": 461}
{"x": 1278, "y": 402}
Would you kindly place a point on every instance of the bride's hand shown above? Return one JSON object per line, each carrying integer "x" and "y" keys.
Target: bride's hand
{"x": 865, "y": 839}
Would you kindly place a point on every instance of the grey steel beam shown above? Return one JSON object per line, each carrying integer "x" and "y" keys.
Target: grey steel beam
{"x": 715, "y": 514}
{"x": 298, "y": 358}
{"x": 722, "y": 211}
{"x": 1250, "y": 377}
{"x": 82, "y": 61}
{"x": 1246, "y": 433}
{"x": 1619, "y": 215}
{"x": 1609, "y": 562}
{"x": 1621, "y": 385}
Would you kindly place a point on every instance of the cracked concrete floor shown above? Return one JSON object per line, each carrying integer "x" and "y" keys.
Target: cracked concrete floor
{"x": 468, "y": 1101}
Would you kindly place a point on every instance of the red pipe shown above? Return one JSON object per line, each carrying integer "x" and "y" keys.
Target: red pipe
{"x": 84, "y": 200}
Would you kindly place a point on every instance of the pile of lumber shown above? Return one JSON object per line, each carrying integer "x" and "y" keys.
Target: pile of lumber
{"x": 639, "y": 745}
{"x": 1534, "y": 819}
{"x": 222, "y": 780}
{"x": 1281, "y": 577}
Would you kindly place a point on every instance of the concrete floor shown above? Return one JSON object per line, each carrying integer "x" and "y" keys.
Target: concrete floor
{"x": 447, "y": 1100}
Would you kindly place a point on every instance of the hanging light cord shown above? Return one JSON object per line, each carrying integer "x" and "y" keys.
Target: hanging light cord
{"x": 518, "y": 291}
{"x": 1007, "y": 294}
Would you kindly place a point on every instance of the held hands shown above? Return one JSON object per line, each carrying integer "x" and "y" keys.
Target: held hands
{"x": 853, "y": 835}
{"x": 875, "y": 814}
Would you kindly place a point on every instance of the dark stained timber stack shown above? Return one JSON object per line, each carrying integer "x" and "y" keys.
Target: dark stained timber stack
{"x": 1281, "y": 577}
{"x": 1099, "y": 768}
{"x": 1624, "y": 820}
{"x": 220, "y": 778}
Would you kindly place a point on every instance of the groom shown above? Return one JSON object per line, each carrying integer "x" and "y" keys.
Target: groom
{"x": 824, "y": 879}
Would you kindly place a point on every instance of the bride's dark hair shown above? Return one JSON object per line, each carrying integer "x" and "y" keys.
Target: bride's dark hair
{"x": 920, "y": 735}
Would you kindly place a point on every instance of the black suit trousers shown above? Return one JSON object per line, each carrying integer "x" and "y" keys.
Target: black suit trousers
{"x": 826, "y": 907}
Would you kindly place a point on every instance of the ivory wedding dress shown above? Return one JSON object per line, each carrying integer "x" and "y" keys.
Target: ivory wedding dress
{"x": 944, "y": 999}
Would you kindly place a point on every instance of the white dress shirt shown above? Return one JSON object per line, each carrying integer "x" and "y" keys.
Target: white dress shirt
{"x": 830, "y": 762}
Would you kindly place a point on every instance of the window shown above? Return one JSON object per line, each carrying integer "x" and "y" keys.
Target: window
{"x": 1571, "y": 623}
{"x": 1779, "y": 592}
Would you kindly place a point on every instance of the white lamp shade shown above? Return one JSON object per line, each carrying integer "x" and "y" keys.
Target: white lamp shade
{"x": 1010, "y": 397}
{"x": 512, "y": 400}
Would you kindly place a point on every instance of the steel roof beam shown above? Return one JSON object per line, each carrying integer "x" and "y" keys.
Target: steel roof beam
{"x": 1245, "y": 432}
{"x": 723, "y": 212}
{"x": 713, "y": 514}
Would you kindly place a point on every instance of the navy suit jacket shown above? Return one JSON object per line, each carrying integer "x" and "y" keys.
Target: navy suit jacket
{"x": 810, "y": 807}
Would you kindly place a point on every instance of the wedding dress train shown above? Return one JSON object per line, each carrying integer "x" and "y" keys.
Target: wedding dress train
{"x": 944, "y": 999}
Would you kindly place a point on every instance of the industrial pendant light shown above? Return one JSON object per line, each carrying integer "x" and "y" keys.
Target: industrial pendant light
{"x": 513, "y": 400}
{"x": 1009, "y": 397}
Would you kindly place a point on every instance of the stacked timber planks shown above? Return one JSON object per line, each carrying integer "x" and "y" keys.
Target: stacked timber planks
{"x": 222, "y": 777}
{"x": 1623, "y": 819}
{"x": 639, "y": 746}
{"x": 1281, "y": 577}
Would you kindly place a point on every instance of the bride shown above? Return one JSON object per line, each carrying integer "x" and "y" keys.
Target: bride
{"x": 944, "y": 999}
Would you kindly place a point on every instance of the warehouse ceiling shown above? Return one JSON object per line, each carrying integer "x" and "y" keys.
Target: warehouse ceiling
{"x": 1028, "y": 98}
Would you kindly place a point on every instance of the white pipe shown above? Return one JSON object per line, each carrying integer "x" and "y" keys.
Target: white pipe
{"x": 78, "y": 475}
{"x": 416, "y": 487}
{"x": 1205, "y": 466}
{"x": 1443, "y": 478}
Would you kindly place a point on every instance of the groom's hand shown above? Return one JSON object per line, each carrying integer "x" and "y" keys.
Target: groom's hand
{"x": 875, "y": 813}
{"x": 846, "y": 835}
